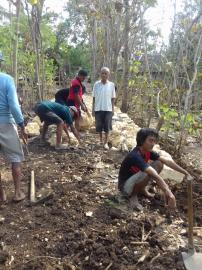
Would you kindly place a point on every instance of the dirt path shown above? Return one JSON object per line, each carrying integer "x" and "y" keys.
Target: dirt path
{"x": 84, "y": 226}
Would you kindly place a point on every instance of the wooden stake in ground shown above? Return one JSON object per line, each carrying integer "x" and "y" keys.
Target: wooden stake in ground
{"x": 45, "y": 196}
{"x": 32, "y": 188}
{"x": 2, "y": 192}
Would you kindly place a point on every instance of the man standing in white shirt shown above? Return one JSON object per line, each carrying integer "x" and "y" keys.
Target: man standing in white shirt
{"x": 103, "y": 105}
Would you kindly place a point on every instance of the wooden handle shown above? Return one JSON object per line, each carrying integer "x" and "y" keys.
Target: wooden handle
{"x": 32, "y": 187}
{"x": 27, "y": 149}
{"x": 190, "y": 217}
{"x": 0, "y": 181}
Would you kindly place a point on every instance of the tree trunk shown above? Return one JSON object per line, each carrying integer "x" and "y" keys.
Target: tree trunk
{"x": 11, "y": 41}
{"x": 34, "y": 24}
{"x": 144, "y": 42}
{"x": 15, "y": 43}
{"x": 94, "y": 48}
{"x": 124, "y": 105}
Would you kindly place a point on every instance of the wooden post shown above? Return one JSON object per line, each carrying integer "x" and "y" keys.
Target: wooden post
{"x": 2, "y": 192}
{"x": 32, "y": 188}
{"x": 190, "y": 217}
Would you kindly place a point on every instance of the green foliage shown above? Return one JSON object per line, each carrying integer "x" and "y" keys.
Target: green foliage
{"x": 189, "y": 123}
{"x": 48, "y": 37}
{"x": 50, "y": 70}
{"x": 175, "y": 121}
{"x": 5, "y": 42}
{"x": 168, "y": 113}
{"x": 79, "y": 57}
{"x": 53, "y": 40}
{"x": 134, "y": 68}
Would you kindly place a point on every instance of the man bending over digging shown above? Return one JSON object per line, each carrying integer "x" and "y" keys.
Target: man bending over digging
{"x": 143, "y": 165}
{"x": 52, "y": 113}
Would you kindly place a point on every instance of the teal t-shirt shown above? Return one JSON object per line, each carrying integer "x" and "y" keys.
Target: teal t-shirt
{"x": 61, "y": 110}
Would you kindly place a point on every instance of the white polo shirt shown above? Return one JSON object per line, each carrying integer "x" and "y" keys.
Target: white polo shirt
{"x": 103, "y": 94}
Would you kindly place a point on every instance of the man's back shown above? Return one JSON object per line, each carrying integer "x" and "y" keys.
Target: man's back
{"x": 60, "y": 110}
{"x": 62, "y": 95}
{"x": 9, "y": 105}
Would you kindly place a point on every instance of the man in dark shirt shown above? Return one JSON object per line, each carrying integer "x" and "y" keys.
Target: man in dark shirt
{"x": 52, "y": 113}
{"x": 142, "y": 165}
{"x": 61, "y": 96}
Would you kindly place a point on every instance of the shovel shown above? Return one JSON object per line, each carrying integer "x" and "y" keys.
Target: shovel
{"x": 192, "y": 259}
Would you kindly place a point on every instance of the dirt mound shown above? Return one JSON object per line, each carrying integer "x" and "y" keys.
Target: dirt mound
{"x": 45, "y": 263}
{"x": 85, "y": 226}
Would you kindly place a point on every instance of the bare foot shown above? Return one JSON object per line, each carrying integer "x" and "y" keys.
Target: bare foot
{"x": 2, "y": 195}
{"x": 19, "y": 197}
{"x": 134, "y": 203}
{"x": 147, "y": 194}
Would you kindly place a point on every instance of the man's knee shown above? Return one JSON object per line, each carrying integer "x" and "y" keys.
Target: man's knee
{"x": 16, "y": 167}
{"x": 60, "y": 124}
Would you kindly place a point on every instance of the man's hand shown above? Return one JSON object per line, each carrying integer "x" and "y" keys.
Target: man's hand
{"x": 88, "y": 113}
{"x": 84, "y": 109}
{"x": 188, "y": 177}
{"x": 112, "y": 112}
{"x": 81, "y": 143}
{"x": 93, "y": 113}
{"x": 24, "y": 135}
{"x": 170, "y": 199}
{"x": 76, "y": 133}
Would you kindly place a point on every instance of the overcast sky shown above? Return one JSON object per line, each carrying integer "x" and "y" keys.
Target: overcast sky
{"x": 158, "y": 17}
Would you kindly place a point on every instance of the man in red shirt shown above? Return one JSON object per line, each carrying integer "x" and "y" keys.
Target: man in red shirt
{"x": 75, "y": 97}
{"x": 137, "y": 171}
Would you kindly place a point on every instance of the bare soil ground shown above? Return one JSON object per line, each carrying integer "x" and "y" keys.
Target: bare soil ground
{"x": 85, "y": 225}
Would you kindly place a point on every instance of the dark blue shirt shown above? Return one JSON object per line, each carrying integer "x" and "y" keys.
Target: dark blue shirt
{"x": 61, "y": 110}
{"x": 133, "y": 163}
{"x": 61, "y": 96}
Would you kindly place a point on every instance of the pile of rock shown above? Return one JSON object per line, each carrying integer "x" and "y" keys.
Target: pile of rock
{"x": 124, "y": 132}
{"x": 86, "y": 122}
{"x": 33, "y": 127}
